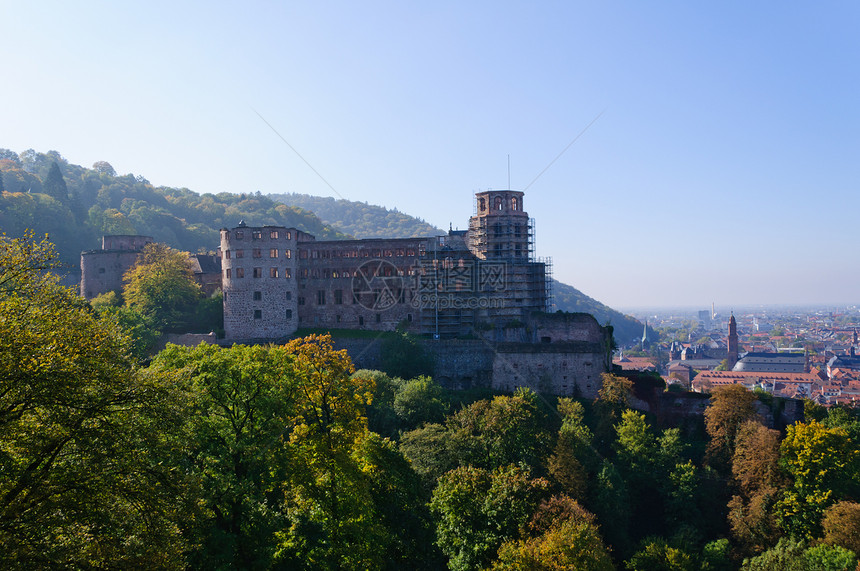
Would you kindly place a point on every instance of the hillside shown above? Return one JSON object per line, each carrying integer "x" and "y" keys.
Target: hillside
{"x": 360, "y": 219}
{"x": 568, "y": 298}
{"x": 78, "y": 205}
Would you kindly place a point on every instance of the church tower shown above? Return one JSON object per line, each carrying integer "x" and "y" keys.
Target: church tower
{"x": 732, "y": 343}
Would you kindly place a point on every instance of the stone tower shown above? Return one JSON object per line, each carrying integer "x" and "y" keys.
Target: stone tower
{"x": 259, "y": 278}
{"x": 732, "y": 343}
{"x": 500, "y": 228}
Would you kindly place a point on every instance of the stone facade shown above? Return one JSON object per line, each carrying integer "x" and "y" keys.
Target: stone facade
{"x": 102, "y": 270}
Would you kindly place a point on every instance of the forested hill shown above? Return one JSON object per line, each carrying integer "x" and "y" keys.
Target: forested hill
{"x": 360, "y": 219}
{"x": 568, "y": 298}
{"x": 76, "y": 206}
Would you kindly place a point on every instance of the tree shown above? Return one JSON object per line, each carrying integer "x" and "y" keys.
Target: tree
{"x": 55, "y": 185}
{"x": 161, "y": 287}
{"x": 573, "y": 458}
{"x": 655, "y": 554}
{"x": 730, "y": 407}
{"x": 562, "y": 535}
{"x": 402, "y": 356}
{"x": 841, "y": 525}
{"x": 822, "y": 463}
{"x": 419, "y": 401}
{"x": 755, "y": 467}
{"x": 104, "y": 167}
{"x": 244, "y": 399}
{"x": 477, "y": 510}
{"x": 88, "y": 478}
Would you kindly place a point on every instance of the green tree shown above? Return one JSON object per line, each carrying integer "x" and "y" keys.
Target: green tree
{"x": 244, "y": 399}
{"x": 477, "y": 510}
{"x": 403, "y": 356}
{"x": 161, "y": 287}
{"x": 655, "y": 554}
{"x": 419, "y": 401}
{"x": 55, "y": 185}
{"x": 573, "y": 458}
{"x": 85, "y": 440}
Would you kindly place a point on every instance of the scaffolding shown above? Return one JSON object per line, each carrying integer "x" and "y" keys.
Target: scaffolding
{"x": 502, "y": 238}
{"x": 547, "y": 264}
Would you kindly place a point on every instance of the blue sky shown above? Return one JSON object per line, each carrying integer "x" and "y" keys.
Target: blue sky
{"x": 722, "y": 167}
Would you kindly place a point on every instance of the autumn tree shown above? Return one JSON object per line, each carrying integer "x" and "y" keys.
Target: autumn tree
{"x": 841, "y": 525}
{"x": 561, "y": 535}
{"x": 755, "y": 467}
{"x": 573, "y": 458}
{"x": 730, "y": 407}
{"x": 86, "y": 462}
{"x": 161, "y": 287}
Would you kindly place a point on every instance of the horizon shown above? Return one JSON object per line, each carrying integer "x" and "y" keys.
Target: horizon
{"x": 668, "y": 153}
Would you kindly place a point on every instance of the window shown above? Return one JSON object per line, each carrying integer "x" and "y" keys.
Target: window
{"x": 301, "y": 300}
{"x": 498, "y": 203}
{"x": 289, "y": 235}
{"x": 273, "y": 253}
{"x": 258, "y": 253}
{"x": 289, "y": 314}
{"x": 240, "y": 235}
{"x": 321, "y": 297}
{"x": 101, "y": 270}
{"x": 289, "y": 295}
{"x": 379, "y": 318}
{"x": 273, "y": 272}
{"x": 287, "y": 273}
{"x": 240, "y": 253}
{"x": 258, "y": 272}
{"x": 514, "y": 203}
{"x": 288, "y": 253}
{"x": 274, "y": 234}
{"x": 338, "y": 297}
{"x": 360, "y": 320}
{"x": 240, "y": 272}
{"x": 227, "y": 254}
{"x": 409, "y": 317}
{"x": 303, "y": 254}
{"x": 337, "y": 318}
{"x": 227, "y": 272}
{"x": 256, "y": 235}
{"x": 482, "y": 204}
{"x": 258, "y": 295}
{"x": 258, "y": 314}
{"x": 304, "y": 272}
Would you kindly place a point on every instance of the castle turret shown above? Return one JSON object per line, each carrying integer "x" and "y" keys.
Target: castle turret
{"x": 259, "y": 282}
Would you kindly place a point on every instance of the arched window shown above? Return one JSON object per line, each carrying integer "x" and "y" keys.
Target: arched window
{"x": 482, "y": 204}
{"x": 514, "y": 203}
{"x": 497, "y": 205}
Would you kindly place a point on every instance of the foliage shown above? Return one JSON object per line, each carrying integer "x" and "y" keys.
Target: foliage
{"x": 161, "y": 287}
{"x": 823, "y": 465}
{"x": 655, "y": 554}
{"x": 419, "y": 401}
{"x": 841, "y": 525}
{"x": 477, "y": 510}
{"x": 626, "y": 328}
{"x": 730, "y": 407}
{"x": 85, "y": 452}
{"x": 562, "y": 535}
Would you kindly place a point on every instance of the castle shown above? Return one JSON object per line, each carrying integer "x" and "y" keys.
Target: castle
{"x": 480, "y": 295}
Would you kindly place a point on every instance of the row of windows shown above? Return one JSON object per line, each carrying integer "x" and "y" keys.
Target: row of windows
{"x": 257, "y": 253}
{"x": 378, "y": 253}
{"x": 257, "y": 272}
{"x": 258, "y": 234}
{"x": 258, "y": 314}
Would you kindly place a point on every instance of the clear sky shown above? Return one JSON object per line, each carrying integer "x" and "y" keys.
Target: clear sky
{"x": 723, "y": 164}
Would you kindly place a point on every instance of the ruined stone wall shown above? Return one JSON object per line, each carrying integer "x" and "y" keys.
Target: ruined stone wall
{"x": 259, "y": 282}
{"x": 102, "y": 270}
{"x": 569, "y": 369}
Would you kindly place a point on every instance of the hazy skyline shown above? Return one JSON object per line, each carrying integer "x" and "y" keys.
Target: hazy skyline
{"x": 725, "y": 153}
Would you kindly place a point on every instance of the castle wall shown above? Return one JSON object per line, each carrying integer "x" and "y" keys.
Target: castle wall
{"x": 102, "y": 270}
